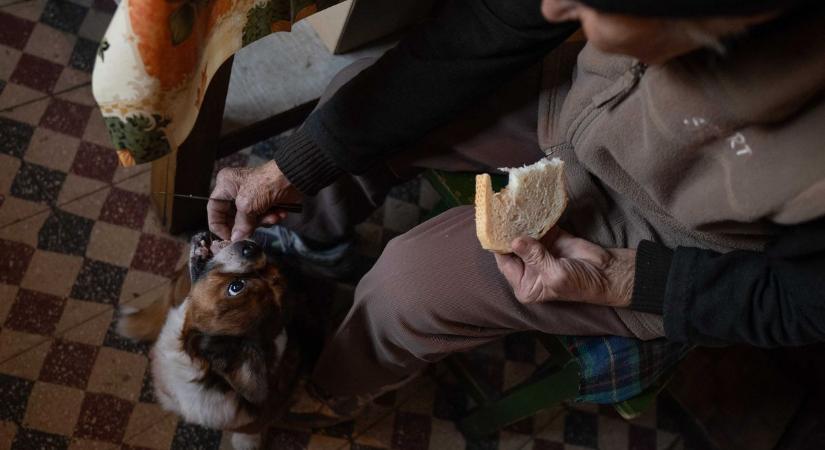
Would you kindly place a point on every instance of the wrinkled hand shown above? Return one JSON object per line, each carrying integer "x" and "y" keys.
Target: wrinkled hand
{"x": 255, "y": 191}
{"x": 564, "y": 267}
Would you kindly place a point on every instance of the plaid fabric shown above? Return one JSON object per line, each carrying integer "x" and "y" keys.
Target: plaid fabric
{"x": 615, "y": 368}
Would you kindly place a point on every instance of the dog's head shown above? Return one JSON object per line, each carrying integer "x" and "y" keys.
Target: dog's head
{"x": 221, "y": 342}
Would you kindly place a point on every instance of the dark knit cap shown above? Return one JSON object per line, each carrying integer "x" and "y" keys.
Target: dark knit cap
{"x": 687, "y": 8}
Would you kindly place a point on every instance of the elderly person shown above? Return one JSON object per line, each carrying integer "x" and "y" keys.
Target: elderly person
{"x": 692, "y": 132}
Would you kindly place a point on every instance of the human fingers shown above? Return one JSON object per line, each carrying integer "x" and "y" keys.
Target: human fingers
{"x": 531, "y": 251}
{"x": 219, "y": 213}
{"x": 511, "y": 267}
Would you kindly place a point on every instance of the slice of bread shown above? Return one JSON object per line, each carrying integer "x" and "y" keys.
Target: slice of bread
{"x": 530, "y": 205}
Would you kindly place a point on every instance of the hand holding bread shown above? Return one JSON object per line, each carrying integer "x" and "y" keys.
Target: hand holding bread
{"x": 542, "y": 266}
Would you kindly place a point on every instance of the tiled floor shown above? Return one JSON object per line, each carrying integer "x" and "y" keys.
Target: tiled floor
{"x": 78, "y": 239}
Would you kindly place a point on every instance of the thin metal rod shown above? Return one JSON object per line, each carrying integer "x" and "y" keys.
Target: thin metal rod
{"x": 289, "y": 207}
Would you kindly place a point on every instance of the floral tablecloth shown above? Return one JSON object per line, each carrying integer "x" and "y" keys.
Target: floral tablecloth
{"x": 158, "y": 56}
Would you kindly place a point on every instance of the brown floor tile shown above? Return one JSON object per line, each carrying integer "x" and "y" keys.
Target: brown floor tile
{"x": 15, "y": 94}
{"x": 84, "y": 321}
{"x": 22, "y": 354}
{"x": 158, "y": 255}
{"x": 8, "y": 169}
{"x": 30, "y": 10}
{"x": 52, "y": 149}
{"x": 139, "y": 183}
{"x": 65, "y": 117}
{"x": 151, "y": 427}
{"x": 35, "y": 312}
{"x": 50, "y": 44}
{"x": 52, "y": 273}
{"x": 77, "y": 93}
{"x": 32, "y": 104}
{"x": 103, "y": 417}
{"x": 25, "y": 231}
{"x": 7, "y": 295}
{"x": 83, "y": 196}
{"x": 153, "y": 224}
{"x": 113, "y": 244}
{"x": 71, "y": 80}
{"x": 17, "y": 258}
{"x": 69, "y": 363}
{"x": 118, "y": 373}
{"x": 53, "y": 408}
{"x": 88, "y": 444}
{"x": 97, "y": 133}
{"x": 444, "y": 435}
{"x": 375, "y": 433}
{"x": 319, "y": 442}
{"x": 8, "y": 61}
{"x": 7, "y": 432}
{"x": 95, "y": 161}
{"x": 141, "y": 288}
{"x": 14, "y": 209}
{"x": 125, "y": 208}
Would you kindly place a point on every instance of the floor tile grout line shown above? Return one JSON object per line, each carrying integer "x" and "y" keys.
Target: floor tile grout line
{"x": 45, "y": 97}
{"x": 67, "y": 330}
{"x": 80, "y": 197}
{"x": 164, "y": 416}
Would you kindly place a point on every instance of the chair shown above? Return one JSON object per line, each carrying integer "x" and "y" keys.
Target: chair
{"x": 260, "y": 92}
{"x": 556, "y": 380}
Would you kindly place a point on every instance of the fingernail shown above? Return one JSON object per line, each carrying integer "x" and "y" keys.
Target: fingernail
{"x": 236, "y": 236}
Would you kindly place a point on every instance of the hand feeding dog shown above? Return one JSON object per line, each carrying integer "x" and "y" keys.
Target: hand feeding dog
{"x": 219, "y": 343}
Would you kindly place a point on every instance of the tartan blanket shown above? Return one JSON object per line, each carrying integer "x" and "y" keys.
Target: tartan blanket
{"x": 614, "y": 369}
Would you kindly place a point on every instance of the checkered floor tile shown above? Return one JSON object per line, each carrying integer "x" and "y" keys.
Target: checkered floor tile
{"x": 78, "y": 238}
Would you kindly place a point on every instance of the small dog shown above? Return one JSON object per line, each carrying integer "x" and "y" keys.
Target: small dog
{"x": 218, "y": 358}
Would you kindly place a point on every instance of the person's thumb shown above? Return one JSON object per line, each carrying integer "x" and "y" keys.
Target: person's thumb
{"x": 531, "y": 251}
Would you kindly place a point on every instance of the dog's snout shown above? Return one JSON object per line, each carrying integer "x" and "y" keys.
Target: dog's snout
{"x": 250, "y": 250}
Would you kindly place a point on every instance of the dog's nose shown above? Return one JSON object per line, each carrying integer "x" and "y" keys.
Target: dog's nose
{"x": 250, "y": 250}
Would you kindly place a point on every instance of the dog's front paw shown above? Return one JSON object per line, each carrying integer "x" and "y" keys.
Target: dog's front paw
{"x": 243, "y": 441}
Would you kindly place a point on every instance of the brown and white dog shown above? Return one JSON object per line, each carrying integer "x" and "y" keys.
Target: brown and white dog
{"x": 220, "y": 340}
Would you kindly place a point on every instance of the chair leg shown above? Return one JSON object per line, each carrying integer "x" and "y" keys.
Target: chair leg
{"x": 189, "y": 170}
{"x": 542, "y": 391}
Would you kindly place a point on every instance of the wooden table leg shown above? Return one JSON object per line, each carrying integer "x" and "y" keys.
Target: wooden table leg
{"x": 189, "y": 171}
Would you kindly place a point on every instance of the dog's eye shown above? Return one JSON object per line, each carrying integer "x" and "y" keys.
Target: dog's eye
{"x": 235, "y": 287}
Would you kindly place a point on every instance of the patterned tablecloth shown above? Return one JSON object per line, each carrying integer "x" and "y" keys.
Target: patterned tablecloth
{"x": 158, "y": 56}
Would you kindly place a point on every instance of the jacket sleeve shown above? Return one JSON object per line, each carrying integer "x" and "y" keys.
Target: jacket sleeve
{"x": 766, "y": 299}
{"x": 438, "y": 70}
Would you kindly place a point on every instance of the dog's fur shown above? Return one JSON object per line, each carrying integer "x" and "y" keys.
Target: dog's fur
{"x": 216, "y": 356}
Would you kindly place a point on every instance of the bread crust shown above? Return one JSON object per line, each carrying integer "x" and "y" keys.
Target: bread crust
{"x": 486, "y": 202}
{"x": 484, "y": 215}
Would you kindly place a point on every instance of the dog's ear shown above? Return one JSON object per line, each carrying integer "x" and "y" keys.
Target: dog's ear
{"x": 238, "y": 361}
